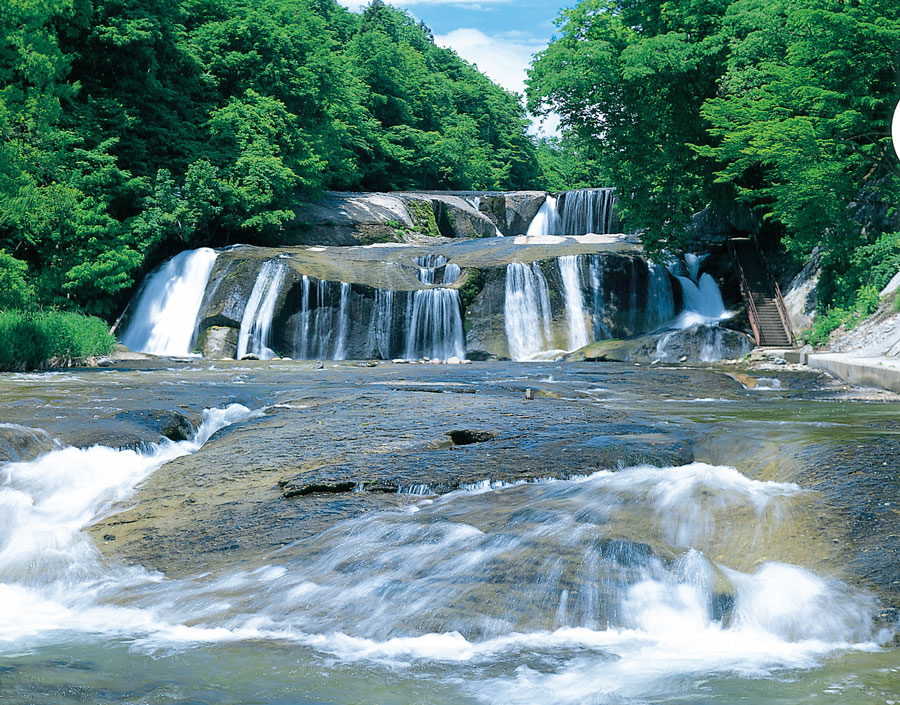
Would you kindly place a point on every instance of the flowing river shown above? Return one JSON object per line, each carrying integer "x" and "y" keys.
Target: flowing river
{"x": 629, "y": 535}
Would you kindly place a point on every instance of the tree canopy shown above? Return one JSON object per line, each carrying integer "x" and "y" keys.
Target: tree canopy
{"x": 134, "y": 128}
{"x": 781, "y": 106}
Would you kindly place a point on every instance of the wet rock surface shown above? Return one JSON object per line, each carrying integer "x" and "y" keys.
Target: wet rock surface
{"x": 343, "y": 440}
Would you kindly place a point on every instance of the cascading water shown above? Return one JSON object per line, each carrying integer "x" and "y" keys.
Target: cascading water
{"x": 340, "y": 347}
{"x": 617, "y": 587}
{"x": 381, "y": 327}
{"x": 546, "y": 220}
{"x": 576, "y": 213}
{"x": 320, "y": 326}
{"x": 526, "y": 311}
{"x": 164, "y": 318}
{"x": 660, "y": 301}
{"x": 435, "y": 325}
{"x": 428, "y": 266}
{"x": 435, "y": 269}
{"x": 570, "y": 273}
{"x": 587, "y": 211}
{"x": 51, "y": 574}
{"x": 256, "y": 324}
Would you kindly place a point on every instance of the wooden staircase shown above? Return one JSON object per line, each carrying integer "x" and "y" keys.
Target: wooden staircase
{"x": 762, "y": 295}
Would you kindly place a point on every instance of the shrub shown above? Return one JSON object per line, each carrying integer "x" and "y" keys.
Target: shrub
{"x": 34, "y": 340}
{"x": 15, "y": 289}
{"x": 867, "y": 300}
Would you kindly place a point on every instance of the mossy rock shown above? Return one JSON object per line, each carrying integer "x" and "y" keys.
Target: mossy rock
{"x": 422, "y": 214}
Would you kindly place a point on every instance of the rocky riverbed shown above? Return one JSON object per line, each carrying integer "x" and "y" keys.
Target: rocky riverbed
{"x": 351, "y": 438}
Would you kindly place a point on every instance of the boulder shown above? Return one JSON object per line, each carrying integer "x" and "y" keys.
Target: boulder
{"x": 19, "y": 443}
{"x": 218, "y": 342}
{"x": 698, "y": 343}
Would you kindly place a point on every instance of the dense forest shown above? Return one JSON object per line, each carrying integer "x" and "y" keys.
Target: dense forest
{"x": 132, "y": 129}
{"x": 135, "y": 128}
{"x": 778, "y": 108}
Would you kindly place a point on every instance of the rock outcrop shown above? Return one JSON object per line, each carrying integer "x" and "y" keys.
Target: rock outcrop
{"x": 341, "y": 219}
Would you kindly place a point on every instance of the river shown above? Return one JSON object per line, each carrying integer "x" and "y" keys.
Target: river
{"x": 628, "y": 535}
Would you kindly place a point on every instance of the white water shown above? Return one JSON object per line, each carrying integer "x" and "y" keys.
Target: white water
{"x": 451, "y": 273}
{"x": 256, "y": 324}
{"x": 52, "y": 577}
{"x": 381, "y": 326}
{"x": 576, "y": 318}
{"x": 702, "y": 298}
{"x": 340, "y": 348}
{"x": 576, "y": 213}
{"x": 321, "y": 328}
{"x": 435, "y": 325}
{"x": 163, "y": 320}
{"x": 660, "y": 301}
{"x": 526, "y": 311}
{"x": 546, "y": 220}
{"x": 600, "y": 589}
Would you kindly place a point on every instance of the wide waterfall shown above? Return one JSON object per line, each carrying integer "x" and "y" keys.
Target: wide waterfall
{"x": 164, "y": 318}
{"x": 576, "y": 213}
{"x": 256, "y": 326}
{"x": 335, "y": 321}
{"x": 599, "y": 298}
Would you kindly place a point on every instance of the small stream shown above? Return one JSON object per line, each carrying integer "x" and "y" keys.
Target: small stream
{"x": 709, "y": 581}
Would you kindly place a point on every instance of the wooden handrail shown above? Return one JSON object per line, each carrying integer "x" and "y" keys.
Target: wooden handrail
{"x": 779, "y": 299}
{"x": 747, "y": 295}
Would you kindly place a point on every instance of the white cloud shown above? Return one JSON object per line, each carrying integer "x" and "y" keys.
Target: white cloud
{"x": 504, "y": 60}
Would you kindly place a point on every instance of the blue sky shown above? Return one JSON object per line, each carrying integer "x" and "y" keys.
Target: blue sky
{"x": 499, "y": 36}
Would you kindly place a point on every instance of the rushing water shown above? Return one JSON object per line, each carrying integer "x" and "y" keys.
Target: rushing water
{"x": 256, "y": 326}
{"x": 642, "y": 584}
{"x": 576, "y": 213}
{"x": 526, "y": 311}
{"x": 164, "y": 318}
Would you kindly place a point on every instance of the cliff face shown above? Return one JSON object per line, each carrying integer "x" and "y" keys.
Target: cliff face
{"x": 340, "y": 218}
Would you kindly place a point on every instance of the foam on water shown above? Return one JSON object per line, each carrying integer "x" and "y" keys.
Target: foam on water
{"x": 596, "y": 589}
{"x": 50, "y": 571}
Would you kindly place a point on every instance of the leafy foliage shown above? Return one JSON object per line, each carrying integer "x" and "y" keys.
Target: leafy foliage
{"x": 130, "y": 129}
{"x": 31, "y": 340}
{"x": 782, "y": 106}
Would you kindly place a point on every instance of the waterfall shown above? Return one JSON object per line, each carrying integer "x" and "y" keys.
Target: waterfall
{"x": 570, "y": 272}
{"x": 692, "y": 263}
{"x": 435, "y": 269}
{"x": 320, "y": 331}
{"x": 164, "y": 319}
{"x": 451, "y": 273}
{"x": 526, "y": 311}
{"x": 546, "y": 220}
{"x": 381, "y": 325}
{"x": 428, "y": 266}
{"x": 576, "y": 213}
{"x": 702, "y": 301}
{"x": 660, "y": 301}
{"x": 587, "y": 211}
{"x": 435, "y": 325}
{"x": 256, "y": 323}
{"x": 340, "y": 347}
{"x": 598, "y": 298}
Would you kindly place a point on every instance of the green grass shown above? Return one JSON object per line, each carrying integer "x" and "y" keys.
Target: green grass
{"x": 37, "y": 340}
